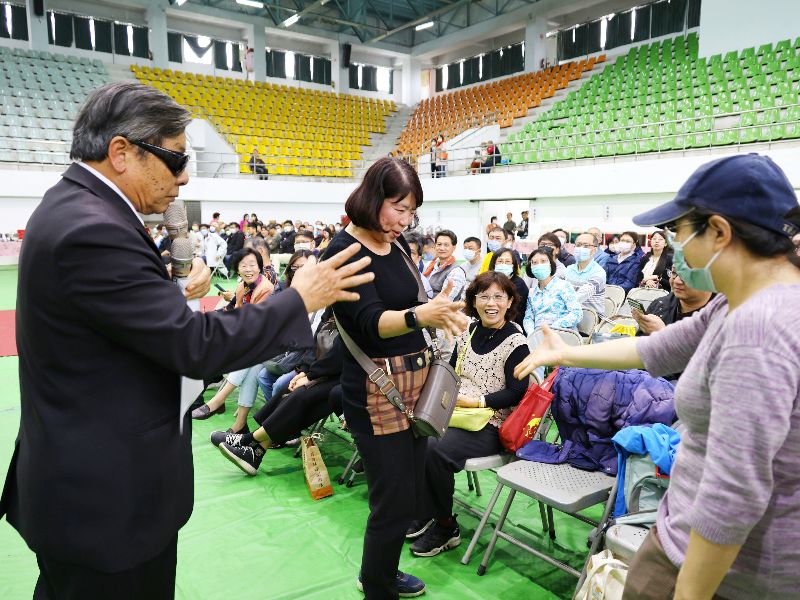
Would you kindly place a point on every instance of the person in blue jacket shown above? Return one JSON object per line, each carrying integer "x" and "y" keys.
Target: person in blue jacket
{"x": 622, "y": 268}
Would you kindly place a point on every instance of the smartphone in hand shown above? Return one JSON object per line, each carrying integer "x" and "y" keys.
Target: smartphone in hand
{"x": 635, "y": 304}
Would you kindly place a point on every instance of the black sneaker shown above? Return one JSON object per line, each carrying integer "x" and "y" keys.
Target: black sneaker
{"x": 232, "y": 439}
{"x": 417, "y": 528}
{"x": 247, "y": 458}
{"x": 408, "y": 586}
{"x": 436, "y": 540}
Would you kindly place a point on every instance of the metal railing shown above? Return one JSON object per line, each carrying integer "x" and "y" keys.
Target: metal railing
{"x": 45, "y": 154}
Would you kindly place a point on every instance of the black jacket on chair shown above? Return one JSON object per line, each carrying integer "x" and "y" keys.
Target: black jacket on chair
{"x": 100, "y": 475}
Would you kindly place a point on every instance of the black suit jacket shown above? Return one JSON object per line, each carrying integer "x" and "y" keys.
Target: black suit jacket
{"x": 100, "y": 475}
{"x": 235, "y": 242}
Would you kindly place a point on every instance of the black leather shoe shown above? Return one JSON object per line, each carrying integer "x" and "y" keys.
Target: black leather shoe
{"x": 202, "y": 413}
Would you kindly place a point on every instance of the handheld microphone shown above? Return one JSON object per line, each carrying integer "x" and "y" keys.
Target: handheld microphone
{"x": 175, "y": 220}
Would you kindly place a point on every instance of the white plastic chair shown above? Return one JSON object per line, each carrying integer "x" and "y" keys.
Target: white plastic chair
{"x": 643, "y": 295}
{"x": 588, "y": 323}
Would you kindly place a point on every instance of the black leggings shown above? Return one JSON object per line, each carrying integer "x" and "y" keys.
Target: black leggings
{"x": 284, "y": 417}
{"x": 394, "y": 465}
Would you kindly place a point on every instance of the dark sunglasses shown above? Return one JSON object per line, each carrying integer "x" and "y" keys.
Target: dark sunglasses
{"x": 175, "y": 161}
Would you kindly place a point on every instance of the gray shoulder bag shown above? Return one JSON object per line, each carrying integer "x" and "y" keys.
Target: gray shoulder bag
{"x": 437, "y": 399}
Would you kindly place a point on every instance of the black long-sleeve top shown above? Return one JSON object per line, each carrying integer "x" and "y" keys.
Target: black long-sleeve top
{"x": 485, "y": 341}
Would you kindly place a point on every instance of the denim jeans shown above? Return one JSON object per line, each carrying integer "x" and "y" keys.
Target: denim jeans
{"x": 272, "y": 385}
{"x": 247, "y": 382}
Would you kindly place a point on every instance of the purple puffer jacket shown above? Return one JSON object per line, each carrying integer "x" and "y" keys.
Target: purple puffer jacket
{"x": 590, "y": 406}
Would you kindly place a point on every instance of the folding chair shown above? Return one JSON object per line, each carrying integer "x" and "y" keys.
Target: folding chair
{"x": 560, "y": 486}
{"x": 588, "y": 324}
{"x": 617, "y": 295}
{"x": 610, "y": 307}
{"x": 643, "y": 295}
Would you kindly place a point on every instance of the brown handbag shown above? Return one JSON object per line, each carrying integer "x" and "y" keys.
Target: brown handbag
{"x": 437, "y": 400}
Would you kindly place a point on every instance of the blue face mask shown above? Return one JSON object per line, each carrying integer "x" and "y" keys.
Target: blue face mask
{"x": 469, "y": 254}
{"x": 541, "y": 272}
{"x": 428, "y": 256}
{"x": 493, "y": 245}
{"x": 699, "y": 279}
{"x": 582, "y": 254}
{"x": 504, "y": 269}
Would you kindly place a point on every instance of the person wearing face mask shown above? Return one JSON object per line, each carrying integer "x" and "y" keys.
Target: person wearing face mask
{"x": 304, "y": 240}
{"x": 551, "y": 301}
{"x": 565, "y": 257}
{"x": 506, "y": 262}
{"x": 601, "y": 256}
{"x": 622, "y": 269}
{"x": 196, "y": 239}
{"x": 654, "y": 267}
{"x": 472, "y": 254}
{"x": 235, "y": 243}
{"x": 286, "y": 245}
{"x": 414, "y": 241}
{"x": 495, "y": 240}
{"x": 552, "y": 244}
{"x": 587, "y": 277}
{"x": 214, "y": 249}
{"x": 428, "y": 249}
{"x": 726, "y": 525}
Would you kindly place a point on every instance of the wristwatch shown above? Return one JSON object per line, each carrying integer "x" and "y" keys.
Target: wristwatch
{"x": 411, "y": 318}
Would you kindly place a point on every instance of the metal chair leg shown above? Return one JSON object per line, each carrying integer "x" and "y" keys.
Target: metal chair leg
{"x": 545, "y": 527}
{"x": 550, "y": 524}
{"x": 487, "y": 513}
{"x": 349, "y": 466}
{"x": 487, "y": 555}
{"x": 477, "y": 483}
{"x": 470, "y": 486}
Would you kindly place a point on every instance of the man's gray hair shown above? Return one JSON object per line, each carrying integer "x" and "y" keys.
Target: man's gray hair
{"x": 137, "y": 111}
{"x": 257, "y": 243}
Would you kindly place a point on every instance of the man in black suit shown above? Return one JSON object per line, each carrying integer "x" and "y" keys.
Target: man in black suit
{"x": 235, "y": 243}
{"x": 101, "y": 477}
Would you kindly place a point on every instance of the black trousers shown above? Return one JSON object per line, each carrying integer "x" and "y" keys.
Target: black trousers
{"x": 154, "y": 580}
{"x": 394, "y": 465}
{"x": 445, "y": 458}
{"x": 284, "y": 417}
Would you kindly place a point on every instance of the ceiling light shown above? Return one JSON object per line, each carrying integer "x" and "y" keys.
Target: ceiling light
{"x": 422, "y": 26}
{"x": 291, "y": 20}
{"x": 252, "y": 3}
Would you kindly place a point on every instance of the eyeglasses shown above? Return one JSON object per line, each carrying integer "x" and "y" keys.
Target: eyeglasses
{"x": 586, "y": 245}
{"x": 671, "y": 229}
{"x": 484, "y": 298}
{"x": 672, "y": 273}
{"x": 175, "y": 161}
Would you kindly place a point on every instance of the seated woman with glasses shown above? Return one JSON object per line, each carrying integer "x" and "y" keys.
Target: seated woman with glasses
{"x": 551, "y": 300}
{"x": 297, "y": 260}
{"x": 622, "y": 268}
{"x": 252, "y": 289}
{"x": 505, "y": 261}
{"x": 485, "y": 356}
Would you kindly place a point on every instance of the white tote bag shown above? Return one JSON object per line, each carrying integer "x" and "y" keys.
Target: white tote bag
{"x": 605, "y": 578}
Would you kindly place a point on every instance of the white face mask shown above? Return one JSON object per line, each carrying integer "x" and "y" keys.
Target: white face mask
{"x": 302, "y": 246}
{"x": 287, "y": 229}
{"x": 469, "y": 254}
{"x": 624, "y": 247}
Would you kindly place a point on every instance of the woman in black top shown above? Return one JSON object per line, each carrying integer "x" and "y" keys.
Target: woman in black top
{"x": 655, "y": 266}
{"x": 485, "y": 357}
{"x": 386, "y": 324}
{"x": 505, "y": 261}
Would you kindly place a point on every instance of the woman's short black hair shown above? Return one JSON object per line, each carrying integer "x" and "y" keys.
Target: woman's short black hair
{"x": 241, "y": 254}
{"x": 386, "y": 178}
{"x": 288, "y": 275}
{"x": 482, "y": 283}
{"x": 501, "y": 252}
{"x": 545, "y": 251}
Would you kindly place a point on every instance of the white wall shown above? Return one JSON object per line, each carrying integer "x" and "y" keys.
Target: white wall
{"x": 574, "y": 197}
{"x": 735, "y": 24}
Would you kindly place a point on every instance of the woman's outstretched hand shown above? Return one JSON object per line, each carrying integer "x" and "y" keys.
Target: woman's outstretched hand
{"x": 547, "y": 354}
{"x": 443, "y": 314}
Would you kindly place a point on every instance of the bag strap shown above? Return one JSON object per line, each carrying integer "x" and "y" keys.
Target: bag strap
{"x": 548, "y": 383}
{"x": 462, "y": 355}
{"x": 376, "y": 375}
{"x": 422, "y": 295}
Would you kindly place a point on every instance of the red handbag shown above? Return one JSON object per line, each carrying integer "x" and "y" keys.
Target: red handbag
{"x": 521, "y": 425}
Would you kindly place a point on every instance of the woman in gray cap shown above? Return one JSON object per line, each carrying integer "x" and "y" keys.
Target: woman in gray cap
{"x": 729, "y": 524}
